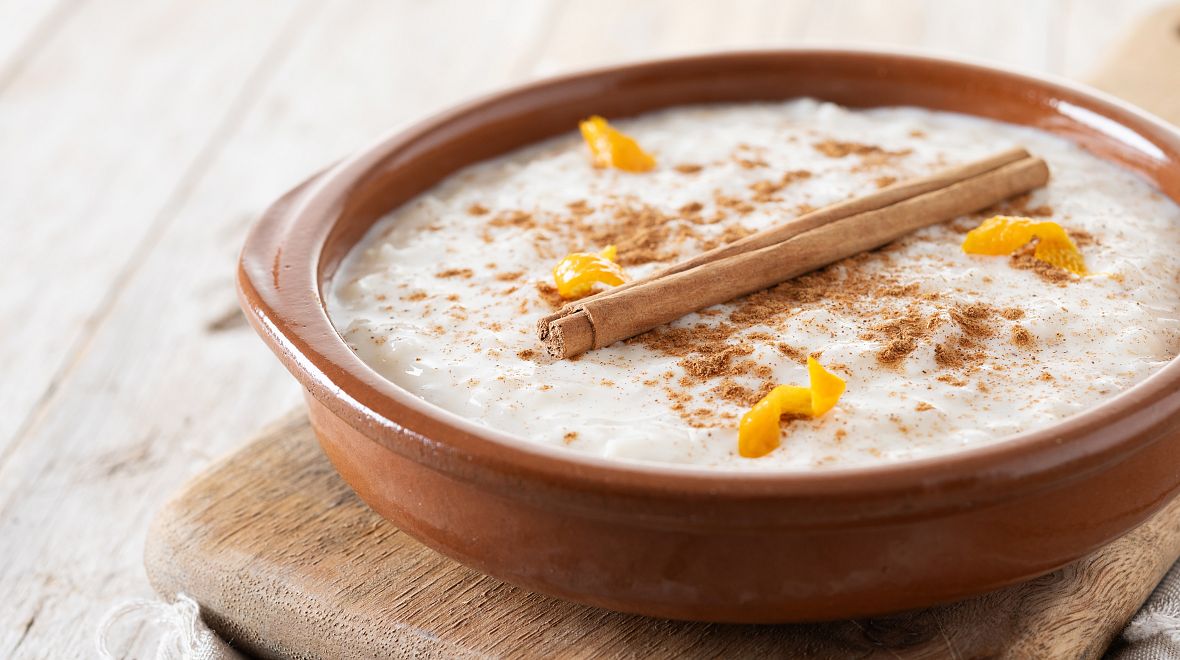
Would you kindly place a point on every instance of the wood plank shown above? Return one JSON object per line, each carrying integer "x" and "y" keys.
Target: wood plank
{"x": 171, "y": 378}
{"x": 1021, "y": 34}
{"x": 868, "y": 22}
{"x": 1087, "y": 34}
{"x": 25, "y": 27}
{"x": 287, "y": 562}
{"x": 1154, "y": 88}
{"x": 100, "y": 130}
{"x": 586, "y": 34}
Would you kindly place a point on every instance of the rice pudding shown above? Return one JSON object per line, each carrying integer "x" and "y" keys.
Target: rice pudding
{"x": 940, "y": 349}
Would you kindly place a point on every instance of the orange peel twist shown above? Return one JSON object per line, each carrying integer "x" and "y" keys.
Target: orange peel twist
{"x": 577, "y": 273}
{"x": 759, "y": 432}
{"x": 609, "y": 147}
{"x": 1002, "y": 234}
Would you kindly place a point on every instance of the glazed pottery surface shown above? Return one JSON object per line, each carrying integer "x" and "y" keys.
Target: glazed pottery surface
{"x": 687, "y": 542}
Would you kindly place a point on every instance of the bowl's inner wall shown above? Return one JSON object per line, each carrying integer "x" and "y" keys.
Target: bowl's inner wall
{"x": 489, "y": 128}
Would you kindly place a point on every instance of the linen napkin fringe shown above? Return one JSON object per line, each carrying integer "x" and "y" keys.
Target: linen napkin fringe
{"x": 182, "y": 635}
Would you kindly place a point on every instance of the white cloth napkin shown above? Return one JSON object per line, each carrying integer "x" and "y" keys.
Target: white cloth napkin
{"x": 1154, "y": 633}
{"x": 177, "y": 627}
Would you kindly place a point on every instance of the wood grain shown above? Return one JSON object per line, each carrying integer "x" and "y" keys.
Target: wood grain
{"x": 1128, "y": 74}
{"x": 25, "y": 26}
{"x": 287, "y": 562}
{"x": 167, "y": 376}
{"x": 110, "y": 201}
{"x": 140, "y": 139}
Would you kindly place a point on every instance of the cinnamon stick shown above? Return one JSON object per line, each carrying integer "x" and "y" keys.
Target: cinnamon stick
{"x": 777, "y": 254}
{"x": 817, "y": 218}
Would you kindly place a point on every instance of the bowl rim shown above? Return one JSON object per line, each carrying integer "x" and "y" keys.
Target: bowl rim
{"x": 282, "y": 292}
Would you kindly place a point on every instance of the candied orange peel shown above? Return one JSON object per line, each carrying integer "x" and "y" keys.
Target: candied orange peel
{"x": 759, "y": 432}
{"x": 578, "y": 272}
{"x": 1003, "y": 234}
{"x": 612, "y": 148}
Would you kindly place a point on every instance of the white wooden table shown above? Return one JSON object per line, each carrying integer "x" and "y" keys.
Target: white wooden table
{"x": 138, "y": 140}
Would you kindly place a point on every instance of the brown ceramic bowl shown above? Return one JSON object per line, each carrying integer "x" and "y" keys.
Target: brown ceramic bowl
{"x": 687, "y": 543}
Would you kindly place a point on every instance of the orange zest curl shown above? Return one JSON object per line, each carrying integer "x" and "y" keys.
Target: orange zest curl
{"x": 611, "y": 148}
{"x": 759, "y": 432}
{"x": 1004, "y": 234}
{"x": 577, "y": 273}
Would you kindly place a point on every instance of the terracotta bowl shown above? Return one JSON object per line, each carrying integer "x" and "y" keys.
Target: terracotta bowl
{"x": 687, "y": 543}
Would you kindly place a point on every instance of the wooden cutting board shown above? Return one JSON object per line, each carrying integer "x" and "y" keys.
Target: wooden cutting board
{"x": 287, "y": 562}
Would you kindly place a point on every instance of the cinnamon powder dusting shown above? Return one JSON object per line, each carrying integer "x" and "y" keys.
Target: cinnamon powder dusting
{"x": 869, "y": 153}
{"x": 1022, "y": 337}
{"x": 795, "y": 354}
{"x": 515, "y": 218}
{"x": 640, "y": 232}
{"x": 729, "y": 235}
{"x": 1023, "y": 259}
{"x": 580, "y": 207}
{"x": 901, "y": 335}
{"x": 710, "y": 364}
{"x": 836, "y": 149}
{"x": 974, "y": 319}
{"x": 895, "y": 313}
{"x": 764, "y": 191}
{"x": 549, "y": 295}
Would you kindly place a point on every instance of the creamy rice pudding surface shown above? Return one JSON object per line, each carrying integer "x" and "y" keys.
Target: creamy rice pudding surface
{"x": 941, "y": 350}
